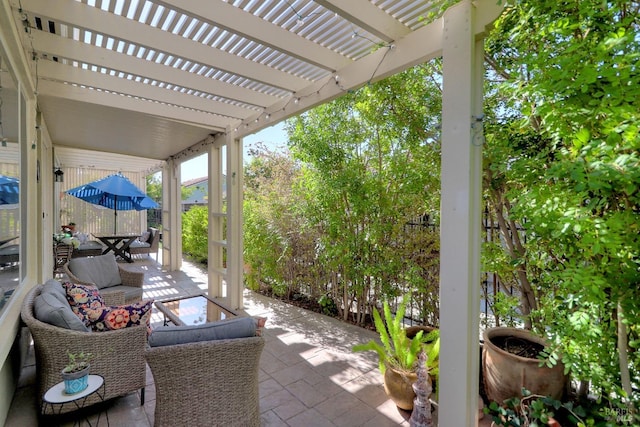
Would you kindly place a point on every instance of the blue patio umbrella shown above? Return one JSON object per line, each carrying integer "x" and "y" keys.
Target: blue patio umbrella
{"x": 9, "y": 190}
{"x": 114, "y": 192}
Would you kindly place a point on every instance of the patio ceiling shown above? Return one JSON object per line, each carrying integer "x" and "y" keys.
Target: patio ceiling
{"x": 158, "y": 78}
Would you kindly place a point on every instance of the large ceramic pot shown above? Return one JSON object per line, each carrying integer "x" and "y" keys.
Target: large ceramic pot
{"x": 505, "y": 373}
{"x": 398, "y": 386}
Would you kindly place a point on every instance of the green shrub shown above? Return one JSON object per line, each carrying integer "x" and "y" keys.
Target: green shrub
{"x": 195, "y": 233}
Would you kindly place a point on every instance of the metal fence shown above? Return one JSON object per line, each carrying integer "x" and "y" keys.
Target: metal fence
{"x": 491, "y": 284}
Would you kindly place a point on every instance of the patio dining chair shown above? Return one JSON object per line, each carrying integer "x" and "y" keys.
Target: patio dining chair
{"x": 61, "y": 255}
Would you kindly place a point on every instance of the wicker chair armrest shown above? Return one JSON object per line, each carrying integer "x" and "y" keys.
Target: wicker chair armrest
{"x": 131, "y": 278}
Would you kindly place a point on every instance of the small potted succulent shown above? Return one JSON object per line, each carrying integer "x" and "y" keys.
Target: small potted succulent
{"x": 76, "y": 374}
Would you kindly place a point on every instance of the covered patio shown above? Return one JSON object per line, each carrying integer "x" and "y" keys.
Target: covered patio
{"x": 164, "y": 82}
{"x": 308, "y": 374}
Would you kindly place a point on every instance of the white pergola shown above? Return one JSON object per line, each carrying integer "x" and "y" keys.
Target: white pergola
{"x": 168, "y": 80}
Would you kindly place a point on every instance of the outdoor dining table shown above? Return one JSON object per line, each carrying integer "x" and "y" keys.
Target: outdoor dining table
{"x": 118, "y": 243}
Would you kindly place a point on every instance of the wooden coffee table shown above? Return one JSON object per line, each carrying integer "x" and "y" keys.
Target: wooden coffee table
{"x": 194, "y": 310}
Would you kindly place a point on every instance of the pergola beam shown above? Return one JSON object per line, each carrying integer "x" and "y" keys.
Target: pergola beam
{"x": 368, "y": 17}
{"x": 117, "y": 100}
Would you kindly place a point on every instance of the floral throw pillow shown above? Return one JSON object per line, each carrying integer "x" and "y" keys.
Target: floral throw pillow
{"x": 82, "y": 297}
{"x": 110, "y": 318}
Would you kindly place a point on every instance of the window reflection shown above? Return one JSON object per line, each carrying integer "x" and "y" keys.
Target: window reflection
{"x": 9, "y": 185}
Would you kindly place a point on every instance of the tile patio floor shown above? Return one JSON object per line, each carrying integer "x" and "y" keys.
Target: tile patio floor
{"x": 308, "y": 374}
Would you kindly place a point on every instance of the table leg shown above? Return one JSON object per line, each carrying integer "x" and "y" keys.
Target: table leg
{"x": 125, "y": 254}
{"x": 111, "y": 246}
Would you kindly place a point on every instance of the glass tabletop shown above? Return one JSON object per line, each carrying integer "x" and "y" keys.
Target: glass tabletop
{"x": 195, "y": 310}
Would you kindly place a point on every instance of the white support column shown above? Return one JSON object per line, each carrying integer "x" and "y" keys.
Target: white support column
{"x": 235, "y": 260}
{"x": 215, "y": 266}
{"x": 171, "y": 216}
{"x": 460, "y": 218}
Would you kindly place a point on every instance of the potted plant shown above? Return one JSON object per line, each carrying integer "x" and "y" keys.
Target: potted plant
{"x": 76, "y": 374}
{"x": 513, "y": 359}
{"x": 398, "y": 354}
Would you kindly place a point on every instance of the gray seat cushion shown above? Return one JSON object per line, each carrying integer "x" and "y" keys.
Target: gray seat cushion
{"x": 100, "y": 270}
{"x": 52, "y": 307}
{"x": 10, "y": 250}
{"x": 90, "y": 245}
{"x": 138, "y": 244}
{"x": 237, "y": 327}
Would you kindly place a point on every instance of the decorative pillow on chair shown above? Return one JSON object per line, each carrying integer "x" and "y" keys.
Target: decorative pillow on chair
{"x": 109, "y": 318}
{"x": 80, "y": 295}
{"x": 144, "y": 237}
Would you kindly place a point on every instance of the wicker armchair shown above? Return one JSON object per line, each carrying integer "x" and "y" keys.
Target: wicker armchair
{"x": 118, "y": 355}
{"x": 130, "y": 279}
{"x": 207, "y": 382}
{"x": 151, "y": 246}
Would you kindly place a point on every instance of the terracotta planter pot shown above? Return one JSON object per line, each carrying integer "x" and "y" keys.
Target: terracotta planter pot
{"x": 505, "y": 374}
{"x": 398, "y": 386}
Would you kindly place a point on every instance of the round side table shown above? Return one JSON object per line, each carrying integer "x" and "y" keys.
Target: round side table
{"x": 56, "y": 398}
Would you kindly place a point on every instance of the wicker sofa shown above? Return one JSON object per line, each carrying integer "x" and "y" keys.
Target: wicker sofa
{"x": 109, "y": 276}
{"x": 118, "y": 354}
{"x": 220, "y": 375}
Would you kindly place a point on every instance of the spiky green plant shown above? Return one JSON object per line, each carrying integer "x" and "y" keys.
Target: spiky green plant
{"x": 398, "y": 350}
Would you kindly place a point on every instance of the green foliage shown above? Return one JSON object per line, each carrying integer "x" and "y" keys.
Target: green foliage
{"x": 398, "y": 350}
{"x": 154, "y": 187}
{"x": 370, "y": 164}
{"x": 195, "y": 233}
{"x": 534, "y": 411}
{"x": 563, "y": 164}
{"x": 333, "y": 220}
{"x": 328, "y": 305}
{"x": 77, "y": 361}
{"x": 279, "y": 247}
